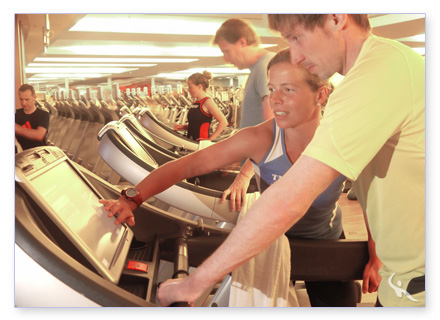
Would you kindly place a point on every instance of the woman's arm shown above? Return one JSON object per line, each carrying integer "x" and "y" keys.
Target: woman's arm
{"x": 178, "y": 127}
{"x": 239, "y": 187}
{"x": 214, "y": 110}
{"x": 240, "y": 146}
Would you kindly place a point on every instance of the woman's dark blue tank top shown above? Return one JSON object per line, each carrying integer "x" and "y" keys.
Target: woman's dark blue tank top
{"x": 323, "y": 219}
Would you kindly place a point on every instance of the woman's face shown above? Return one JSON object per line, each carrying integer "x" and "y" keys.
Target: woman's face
{"x": 291, "y": 98}
{"x": 194, "y": 90}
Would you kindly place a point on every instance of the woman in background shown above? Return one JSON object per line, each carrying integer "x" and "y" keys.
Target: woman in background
{"x": 202, "y": 111}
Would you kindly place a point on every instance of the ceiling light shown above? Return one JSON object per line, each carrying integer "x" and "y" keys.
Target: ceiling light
{"x": 388, "y": 19}
{"x": 184, "y": 74}
{"x": 174, "y": 76}
{"x": 136, "y": 48}
{"x": 108, "y": 49}
{"x": 41, "y": 79}
{"x": 336, "y": 79}
{"x": 113, "y": 60}
{"x": 421, "y": 51}
{"x": 416, "y": 38}
{"x": 143, "y": 23}
{"x": 79, "y": 70}
{"x": 215, "y": 71}
{"x": 153, "y": 24}
{"x": 91, "y": 65}
{"x": 69, "y": 75}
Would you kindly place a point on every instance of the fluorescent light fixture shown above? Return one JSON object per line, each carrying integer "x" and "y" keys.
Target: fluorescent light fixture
{"x": 174, "y": 76}
{"x": 154, "y": 24}
{"x": 393, "y": 18}
{"x": 94, "y": 65}
{"x": 143, "y": 23}
{"x": 69, "y": 75}
{"x": 114, "y": 60}
{"x": 421, "y": 51}
{"x": 336, "y": 79}
{"x": 41, "y": 79}
{"x": 136, "y": 48}
{"x": 216, "y": 71}
{"x": 108, "y": 49}
{"x": 79, "y": 70}
{"x": 416, "y": 38}
{"x": 184, "y": 74}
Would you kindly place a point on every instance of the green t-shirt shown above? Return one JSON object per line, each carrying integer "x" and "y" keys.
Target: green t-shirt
{"x": 373, "y": 132}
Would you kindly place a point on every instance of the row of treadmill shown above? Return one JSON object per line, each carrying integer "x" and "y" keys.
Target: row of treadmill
{"x": 95, "y": 149}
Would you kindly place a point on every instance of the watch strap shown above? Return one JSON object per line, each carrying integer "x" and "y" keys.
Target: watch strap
{"x": 136, "y": 199}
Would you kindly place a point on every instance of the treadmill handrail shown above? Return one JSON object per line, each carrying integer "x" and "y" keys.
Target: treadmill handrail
{"x": 206, "y": 201}
{"x": 147, "y": 115}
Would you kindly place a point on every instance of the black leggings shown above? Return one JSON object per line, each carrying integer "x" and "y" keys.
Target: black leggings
{"x": 333, "y": 293}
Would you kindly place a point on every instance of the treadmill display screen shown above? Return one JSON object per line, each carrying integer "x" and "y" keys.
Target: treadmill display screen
{"x": 77, "y": 208}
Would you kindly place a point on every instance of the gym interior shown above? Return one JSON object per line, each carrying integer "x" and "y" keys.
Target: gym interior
{"x": 114, "y": 86}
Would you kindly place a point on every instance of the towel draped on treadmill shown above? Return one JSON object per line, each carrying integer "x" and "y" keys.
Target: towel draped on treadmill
{"x": 264, "y": 280}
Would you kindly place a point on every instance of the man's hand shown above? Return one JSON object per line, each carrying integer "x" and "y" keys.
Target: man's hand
{"x": 122, "y": 208}
{"x": 175, "y": 290}
{"x": 371, "y": 278}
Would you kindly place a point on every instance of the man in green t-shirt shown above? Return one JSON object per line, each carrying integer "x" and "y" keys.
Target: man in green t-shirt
{"x": 373, "y": 132}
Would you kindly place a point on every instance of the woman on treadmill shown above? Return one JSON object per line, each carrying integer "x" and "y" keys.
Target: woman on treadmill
{"x": 296, "y": 99}
{"x": 202, "y": 111}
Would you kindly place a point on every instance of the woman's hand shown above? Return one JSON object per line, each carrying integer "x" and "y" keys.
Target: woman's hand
{"x": 122, "y": 208}
{"x": 178, "y": 127}
{"x": 237, "y": 190}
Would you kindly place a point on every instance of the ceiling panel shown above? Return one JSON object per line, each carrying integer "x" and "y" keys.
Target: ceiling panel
{"x": 155, "y": 36}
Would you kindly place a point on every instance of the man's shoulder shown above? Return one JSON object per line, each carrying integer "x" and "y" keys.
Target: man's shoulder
{"x": 391, "y": 50}
{"x": 41, "y": 112}
{"x": 266, "y": 57}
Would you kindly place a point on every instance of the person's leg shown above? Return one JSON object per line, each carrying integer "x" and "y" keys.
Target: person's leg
{"x": 333, "y": 294}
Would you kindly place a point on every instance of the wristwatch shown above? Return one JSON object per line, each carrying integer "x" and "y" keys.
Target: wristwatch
{"x": 133, "y": 195}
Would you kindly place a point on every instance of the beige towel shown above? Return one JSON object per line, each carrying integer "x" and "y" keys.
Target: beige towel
{"x": 264, "y": 280}
{"x": 205, "y": 144}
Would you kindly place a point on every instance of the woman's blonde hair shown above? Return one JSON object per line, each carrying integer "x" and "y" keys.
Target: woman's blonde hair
{"x": 312, "y": 80}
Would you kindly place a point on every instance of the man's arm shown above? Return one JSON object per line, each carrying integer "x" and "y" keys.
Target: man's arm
{"x": 31, "y": 134}
{"x": 371, "y": 276}
{"x": 279, "y": 207}
{"x": 267, "y": 110}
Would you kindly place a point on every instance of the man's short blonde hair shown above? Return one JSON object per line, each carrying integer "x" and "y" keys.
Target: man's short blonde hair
{"x": 234, "y": 29}
{"x": 279, "y": 22}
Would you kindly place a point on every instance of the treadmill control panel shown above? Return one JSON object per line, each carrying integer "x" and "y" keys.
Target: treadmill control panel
{"x": 39, "y": 159}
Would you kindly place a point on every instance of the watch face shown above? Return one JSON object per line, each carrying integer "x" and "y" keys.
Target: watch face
{"x": 131, "y": 192}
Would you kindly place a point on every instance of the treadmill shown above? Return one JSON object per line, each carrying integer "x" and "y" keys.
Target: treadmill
{"x": 62, "y": 233}
{"x": 218, "y": 180}
{"x": 149, "y": 121}
{"x": 126, "y": 156}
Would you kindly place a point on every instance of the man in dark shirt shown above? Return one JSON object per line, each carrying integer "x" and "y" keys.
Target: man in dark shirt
{"x": 31, "y": 123}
